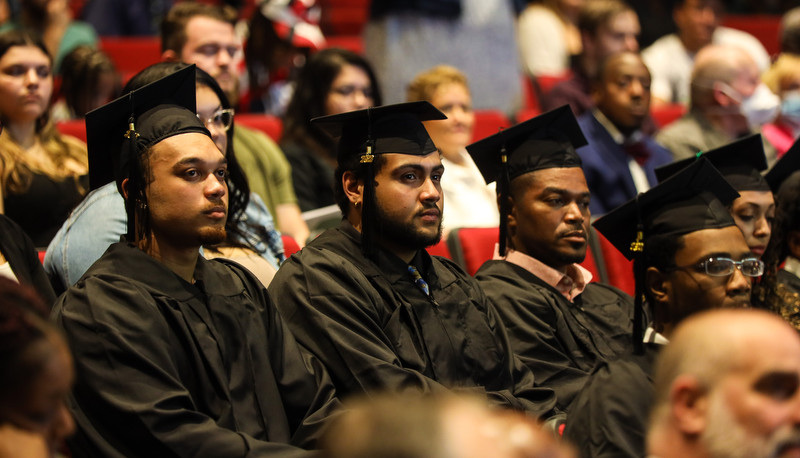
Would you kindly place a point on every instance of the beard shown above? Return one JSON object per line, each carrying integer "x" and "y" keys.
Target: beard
{"x": 212, "y": 235}
{"x": 403, "y": 233}
{"x": 724, "y": 437}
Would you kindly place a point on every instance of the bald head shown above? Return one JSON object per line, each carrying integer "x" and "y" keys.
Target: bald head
{"x": 728, "y": 384}
{"x": 720, "y": 64}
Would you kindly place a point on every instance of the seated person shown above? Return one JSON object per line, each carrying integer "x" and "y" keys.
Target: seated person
{"x": 783, "y": 79}
{"x": 470, "y": 203}
{"x": 100, "y": 219}
{"x": 671, "y": 58}
{"x": 688, "y": 256}
{"x": 177, "y": 355}
{"x": 741, "y": 163}
{"x": 606, "y": 27}
{"x": 89, "y": 80}
{"x": 728, "y": 102}
{"x": 559, "y": 324}
{"x": 547, "y": 35}
{"x": 619, "y": 158}
{"x": 366, "y": 297}
{"x": 37, "y": 376}
{"x": 727, "y": 385}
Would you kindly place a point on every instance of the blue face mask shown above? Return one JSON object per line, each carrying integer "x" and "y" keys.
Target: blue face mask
{"x": 790, "y": 106}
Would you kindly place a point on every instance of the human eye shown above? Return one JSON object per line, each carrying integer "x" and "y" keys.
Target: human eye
{"x": 232, "y": 50}
{"x": 752, "y": 267}
{"x": 345, "y": 90}
{"x": 190, "y": 174}
{"x": 719, "y": 266}
{"x": 437, "y": 176}
{"x": 43, "y": 71}
{"x": 15, "y": 70}
{"x": 208, "y": 50}
{"x": 778, "y": 386}
{"x": 746, "y": 216}
{"x": 222, "y": 172}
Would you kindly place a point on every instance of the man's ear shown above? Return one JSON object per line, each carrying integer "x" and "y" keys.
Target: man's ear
{"x": 511, "y": 218}
{"x": 170, "y": 56}
{"x": 689, "y": 403}
{"x": 353, "y": 188}
{"x": 124, "y": 187}
{"x": 721, "y": 98}
{"x": 657, "y": 284}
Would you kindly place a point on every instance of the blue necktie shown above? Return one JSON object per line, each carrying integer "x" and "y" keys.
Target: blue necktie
{"x": 419, "y": 281}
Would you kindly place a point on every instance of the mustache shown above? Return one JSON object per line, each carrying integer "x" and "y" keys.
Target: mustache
{"x": 786, "y": 440}
{"x": 577, "y": 231}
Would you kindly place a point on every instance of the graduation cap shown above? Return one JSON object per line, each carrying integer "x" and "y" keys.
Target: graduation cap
{"x": 786, "y": 165}
{"x": 364, "y": 133}
{"x": 119, "y": 131}
{"x": 692, "y": 199}
{"x": 740, "y": 162}
{"x": 546, "y": 141}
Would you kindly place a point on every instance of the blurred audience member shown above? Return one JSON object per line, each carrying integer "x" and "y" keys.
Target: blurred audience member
{"x": 619, "y": 160}
{"x": 281, "y": 36}
{"x": 88, "y": 81}
{"x": 671, "y": 57}
{"x": 40, "y": 170}
{"x": 125, "y": 17}
{"x": 52, "y": 21}
{"x": 727, "y": 385}
{"x": 19, "y": 260}
{"x": 783, "y": 79}
{"x": 403, "y": 38}
{"x": 728, "y": 101}
{"x": 37, "y": 377}
{"x": 470, "y": 202}
{"x": 790, "y": 32}
{"x": 548, "y": 36}
{"x": 201, "y": 34}
{"x": 606, "y": 27}
{"x": 412, "y": 426}
{"x": 333, "y": 81}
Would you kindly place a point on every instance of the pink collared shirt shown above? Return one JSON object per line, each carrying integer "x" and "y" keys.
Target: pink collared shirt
{"x": 569, "y": 284}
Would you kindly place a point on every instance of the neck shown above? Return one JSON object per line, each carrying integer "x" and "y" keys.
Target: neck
{"x": 691, "y": 45}
{"x": 23, "y": 134}
{"x": 181, "y": 260}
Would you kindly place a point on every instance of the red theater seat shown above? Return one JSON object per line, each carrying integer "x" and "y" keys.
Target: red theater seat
{"x": 663, "y": 115}
{"x": 618, "y": 269}
{"x": 270, "y": 125}
{"x": 488, "y": 122}
{"x": 440, "y": 249}
{"x": 75, "y": 128}
{"x": 290, "y": 246}
{"x": 132, "y": 54}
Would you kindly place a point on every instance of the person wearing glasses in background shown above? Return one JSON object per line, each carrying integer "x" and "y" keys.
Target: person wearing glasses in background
{"x": 100, "y": 219}
{"x": 689, "y": 256}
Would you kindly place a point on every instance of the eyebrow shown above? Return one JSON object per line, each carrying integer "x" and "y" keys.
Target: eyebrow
{"x": 555, "y": 190}
{"x": 197, "y": 161}
{"x": 416, "y": 167}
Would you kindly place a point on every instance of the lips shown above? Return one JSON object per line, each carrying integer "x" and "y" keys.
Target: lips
{"x": 574, "y": 236}
{"x": 216, "y": 212}
{"x": 431, "y": 214}
{"x": 758, "y": 250}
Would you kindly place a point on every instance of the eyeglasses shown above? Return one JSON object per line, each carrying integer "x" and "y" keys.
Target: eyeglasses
{"x": 722, "y": 267}
{"x": 221, "y": 119}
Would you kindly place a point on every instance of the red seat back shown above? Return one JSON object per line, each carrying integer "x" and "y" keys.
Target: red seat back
{"x": 488, "y": 122}
{"x": 75, "y": 128}
{"x": 618, "y": 268}
{"x": 270, "y": 125}
{"x": 132, "y": 54}
{"x": 290, "y": 246}
{"x": 440, "y": 249}
{"x": 663, "y": 115}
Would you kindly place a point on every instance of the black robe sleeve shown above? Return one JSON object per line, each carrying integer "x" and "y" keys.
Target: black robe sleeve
{"x": 21, "y": 254}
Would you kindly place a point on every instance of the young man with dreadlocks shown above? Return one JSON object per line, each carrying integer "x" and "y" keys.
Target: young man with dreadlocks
{"x": 366, "y": 297}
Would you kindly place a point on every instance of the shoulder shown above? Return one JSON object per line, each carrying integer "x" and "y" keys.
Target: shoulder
{"x": 667, "y": 44}
{"x": 251, "y": 138}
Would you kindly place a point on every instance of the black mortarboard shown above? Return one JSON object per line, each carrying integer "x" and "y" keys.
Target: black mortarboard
{"x": 692, "y": 199}
{"x": 546, "y": 141}
{"x": 120, "y": 130}
{"x": 394, "y": 128}
{"x": 786, "y": 165}
{"x": 740, "y": 162}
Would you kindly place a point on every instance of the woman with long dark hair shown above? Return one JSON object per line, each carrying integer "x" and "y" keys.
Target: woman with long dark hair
{"x": 333, "y": 81}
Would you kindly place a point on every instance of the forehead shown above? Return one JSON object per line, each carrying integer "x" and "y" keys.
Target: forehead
{"x": 31, "y": 55}
{"x": 627, "y": 64}
{"x": 624, "y": 21}
{"x": 705, "y": 242}
{"x": 183, "y": 146}
{"x": 569, "y": 179}
{"x": 763, "y": 199}
{"x": 395, "y": 160}
{"x": 202, "y": 30}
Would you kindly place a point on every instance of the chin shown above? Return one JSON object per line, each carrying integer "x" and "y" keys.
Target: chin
{"x": 212, "y": 235}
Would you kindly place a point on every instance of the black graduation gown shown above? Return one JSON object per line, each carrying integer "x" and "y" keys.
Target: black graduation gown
{"x": 609, "y": 416}
{"x": 376, "y": 330}
{"x": 559, "y": 340}
{"x": 22, "y": 256}
{"x": 168, "y": 368}
{"x": 787, "y": 301}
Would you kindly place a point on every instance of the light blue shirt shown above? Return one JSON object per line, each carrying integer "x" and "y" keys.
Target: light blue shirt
{"x": 100, "y": 220}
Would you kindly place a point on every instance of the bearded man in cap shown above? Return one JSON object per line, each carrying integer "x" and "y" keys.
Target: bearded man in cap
{"x": 176, "y": 355}
{"x": 366, "y": 297}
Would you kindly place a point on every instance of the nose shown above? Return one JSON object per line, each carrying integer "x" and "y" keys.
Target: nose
{"x": 637, "y": 88}
{"x": 762, "y": 229}
{"x": 63, "y": 426}
{"x": 574, "y": 213}
{"x": 631, "y": 43}
{"x": 31, "y": 77}
{"x": 361, "y": 100}
{"x": 431, "y": 192}
{"x": 738, "y": 284}
{"x": 223, "y": 58}
{"x": 216, "y": 186}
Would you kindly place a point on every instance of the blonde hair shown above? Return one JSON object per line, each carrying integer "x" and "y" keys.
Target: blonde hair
{"x": 425, "y": 84}
{"x": 17, "y": 170}
{"x": 785, "y": 69}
